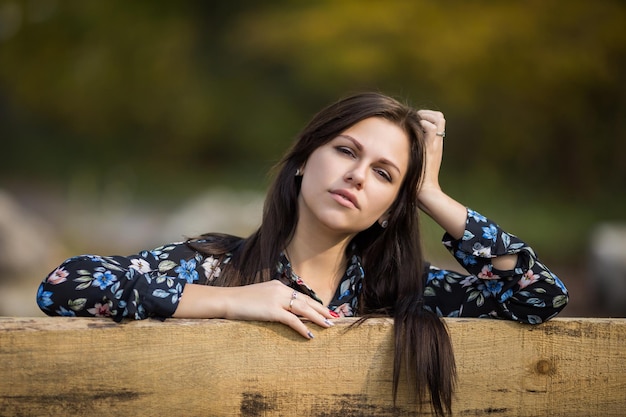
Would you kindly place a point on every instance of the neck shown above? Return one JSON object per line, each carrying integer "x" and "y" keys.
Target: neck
{"x": 318, "y": 258}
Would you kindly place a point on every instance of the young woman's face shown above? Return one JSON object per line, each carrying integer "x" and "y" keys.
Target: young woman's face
{"x": 351, "y": 182}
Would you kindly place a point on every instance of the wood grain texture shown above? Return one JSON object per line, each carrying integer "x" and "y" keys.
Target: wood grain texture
{"x": 62, "y": 366}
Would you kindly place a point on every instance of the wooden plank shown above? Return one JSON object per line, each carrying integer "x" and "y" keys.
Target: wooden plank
{"x": 63, "y": 366}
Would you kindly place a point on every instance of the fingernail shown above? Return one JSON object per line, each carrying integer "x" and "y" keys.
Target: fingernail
{"x": 310, "y": 335}
{"x": 328, "y": 322}
{"x": 332, "y": 313}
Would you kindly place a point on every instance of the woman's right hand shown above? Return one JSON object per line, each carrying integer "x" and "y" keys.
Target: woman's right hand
{"x": 266, "y": 301}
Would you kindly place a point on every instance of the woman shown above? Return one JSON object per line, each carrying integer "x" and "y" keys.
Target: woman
{"x": 339, "y": 237}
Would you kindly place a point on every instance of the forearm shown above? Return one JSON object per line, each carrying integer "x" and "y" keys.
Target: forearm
{"x": 452, "y": 217}
{"x": 447, "y": 212}
{"x": 202, "y": 301}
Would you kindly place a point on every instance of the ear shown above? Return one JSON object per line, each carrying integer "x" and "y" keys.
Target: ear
{"x": 300, "y": 171}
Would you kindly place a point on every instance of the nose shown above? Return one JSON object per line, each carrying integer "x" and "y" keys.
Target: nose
{"x": 356, "y": 176}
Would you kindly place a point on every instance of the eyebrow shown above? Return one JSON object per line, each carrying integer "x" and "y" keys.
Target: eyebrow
{"x": 358, "y": 145}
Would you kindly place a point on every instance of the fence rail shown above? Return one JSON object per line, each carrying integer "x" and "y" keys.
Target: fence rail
{"x": 63, "y": 366}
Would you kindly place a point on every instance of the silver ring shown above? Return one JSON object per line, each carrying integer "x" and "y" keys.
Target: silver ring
{"x": 442, "y": 134}
{"x": 294, "y": 295}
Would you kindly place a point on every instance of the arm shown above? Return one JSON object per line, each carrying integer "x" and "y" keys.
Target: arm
{"x": 164, "y": 283}
{"x": 507, "y": 278}
{"x": 265, "y": 301}
{"x": 529, "y": 292}
{"x": 148, "y": 284}
{"x": 447, "y": 212}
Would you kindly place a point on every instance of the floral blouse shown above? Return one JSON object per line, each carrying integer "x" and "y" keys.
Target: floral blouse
{"x": 151, "y": 283}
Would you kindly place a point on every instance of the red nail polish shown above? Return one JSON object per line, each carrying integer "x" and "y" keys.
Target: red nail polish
{"x": 332, "y": 313}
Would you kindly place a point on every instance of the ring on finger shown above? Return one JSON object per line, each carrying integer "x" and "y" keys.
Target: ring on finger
{"x": 442, "y": 134}
{"x": 294, "y": 295}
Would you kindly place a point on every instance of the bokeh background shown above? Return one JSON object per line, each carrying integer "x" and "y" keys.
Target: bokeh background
{"x": 124, "y": 125}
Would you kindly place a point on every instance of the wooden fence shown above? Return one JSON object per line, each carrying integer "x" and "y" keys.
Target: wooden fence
{"x": 66, "y": 367}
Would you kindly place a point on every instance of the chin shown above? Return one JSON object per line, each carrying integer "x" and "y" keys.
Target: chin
{"x": 348, "y": 228}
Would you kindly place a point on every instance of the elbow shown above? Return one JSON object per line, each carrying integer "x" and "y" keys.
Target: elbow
{"x": 546, "y": 298}
{"x": 538, "y": 310}
{"x": 54, "y": 292}
{"x": 538, "y": 303}
{"x": 44, "y": 298}
{"x": 558, "y": 298}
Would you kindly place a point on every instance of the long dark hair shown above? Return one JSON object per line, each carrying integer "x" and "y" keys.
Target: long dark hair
{"x": 392, "y": 257}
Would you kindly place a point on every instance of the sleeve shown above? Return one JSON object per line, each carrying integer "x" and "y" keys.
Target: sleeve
{"x": 530, "y": 293}
{"x": 148, "y": 284}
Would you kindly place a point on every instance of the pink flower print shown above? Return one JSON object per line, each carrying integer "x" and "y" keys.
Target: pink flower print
{"x": 487, "y": 273}
{"x": 58, "y": 276}
{"x": 100, "y": 310}
{"x": 528, "y": 278}
{"x": 344, "y": 310}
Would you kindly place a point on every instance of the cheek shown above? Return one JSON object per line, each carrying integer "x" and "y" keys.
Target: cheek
{"x": 318, "y": 171}
{"x": 383, "y": 200}
{"x": 309, "y": 182}
{"x": 387, "y": 200}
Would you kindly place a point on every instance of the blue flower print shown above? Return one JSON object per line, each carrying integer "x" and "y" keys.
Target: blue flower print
{"x": 187, "y": 270}
{"x": 467, "y": 235}
{"x": 103, "y": 279}
{"x": 43, "y": 298}
{"x": 345, "y": 288}
{"x": 559, "y": 284}
{"x": 476, "y": 216}
{"x": 490, "y": 232}
{"x": 466, "y": 258}
{"x": 483, "y": 290}
{"x": 437, "y": 274}
{"x": 494, "y": 286}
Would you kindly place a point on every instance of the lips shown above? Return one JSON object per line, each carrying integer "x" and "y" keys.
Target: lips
{"x": 345, "y": 196}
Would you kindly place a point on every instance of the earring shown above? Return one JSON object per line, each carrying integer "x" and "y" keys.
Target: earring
{"x": 298, "y": 172}
{"x": 384, "y": 224}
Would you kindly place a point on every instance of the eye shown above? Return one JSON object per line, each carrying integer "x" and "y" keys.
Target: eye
{"x": 346, "y": 150}
{"x": 384, "y": 174}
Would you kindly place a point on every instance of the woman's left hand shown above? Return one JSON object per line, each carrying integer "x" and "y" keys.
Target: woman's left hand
{"x": 447, "y": 212}
{"x": 434, "y": 125}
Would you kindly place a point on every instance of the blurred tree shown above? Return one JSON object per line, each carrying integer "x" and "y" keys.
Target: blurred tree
{"x": 534, "y": 88}
{"x": 533, "y": 91}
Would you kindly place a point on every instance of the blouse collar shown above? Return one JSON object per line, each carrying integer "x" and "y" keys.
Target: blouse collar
{"x": 346, "y": 294}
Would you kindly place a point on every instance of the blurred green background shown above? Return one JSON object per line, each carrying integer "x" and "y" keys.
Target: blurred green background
{"x": 146, "y": 104}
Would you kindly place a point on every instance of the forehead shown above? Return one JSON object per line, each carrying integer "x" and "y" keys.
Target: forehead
{"x": 383, "y": 139}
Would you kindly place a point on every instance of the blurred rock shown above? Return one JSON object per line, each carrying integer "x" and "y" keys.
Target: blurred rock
{"x": 238, "y": 213}
{"x": 31, "y": 245}
{"x": 26, "y": 242}
{"x": 607, "y": 267}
